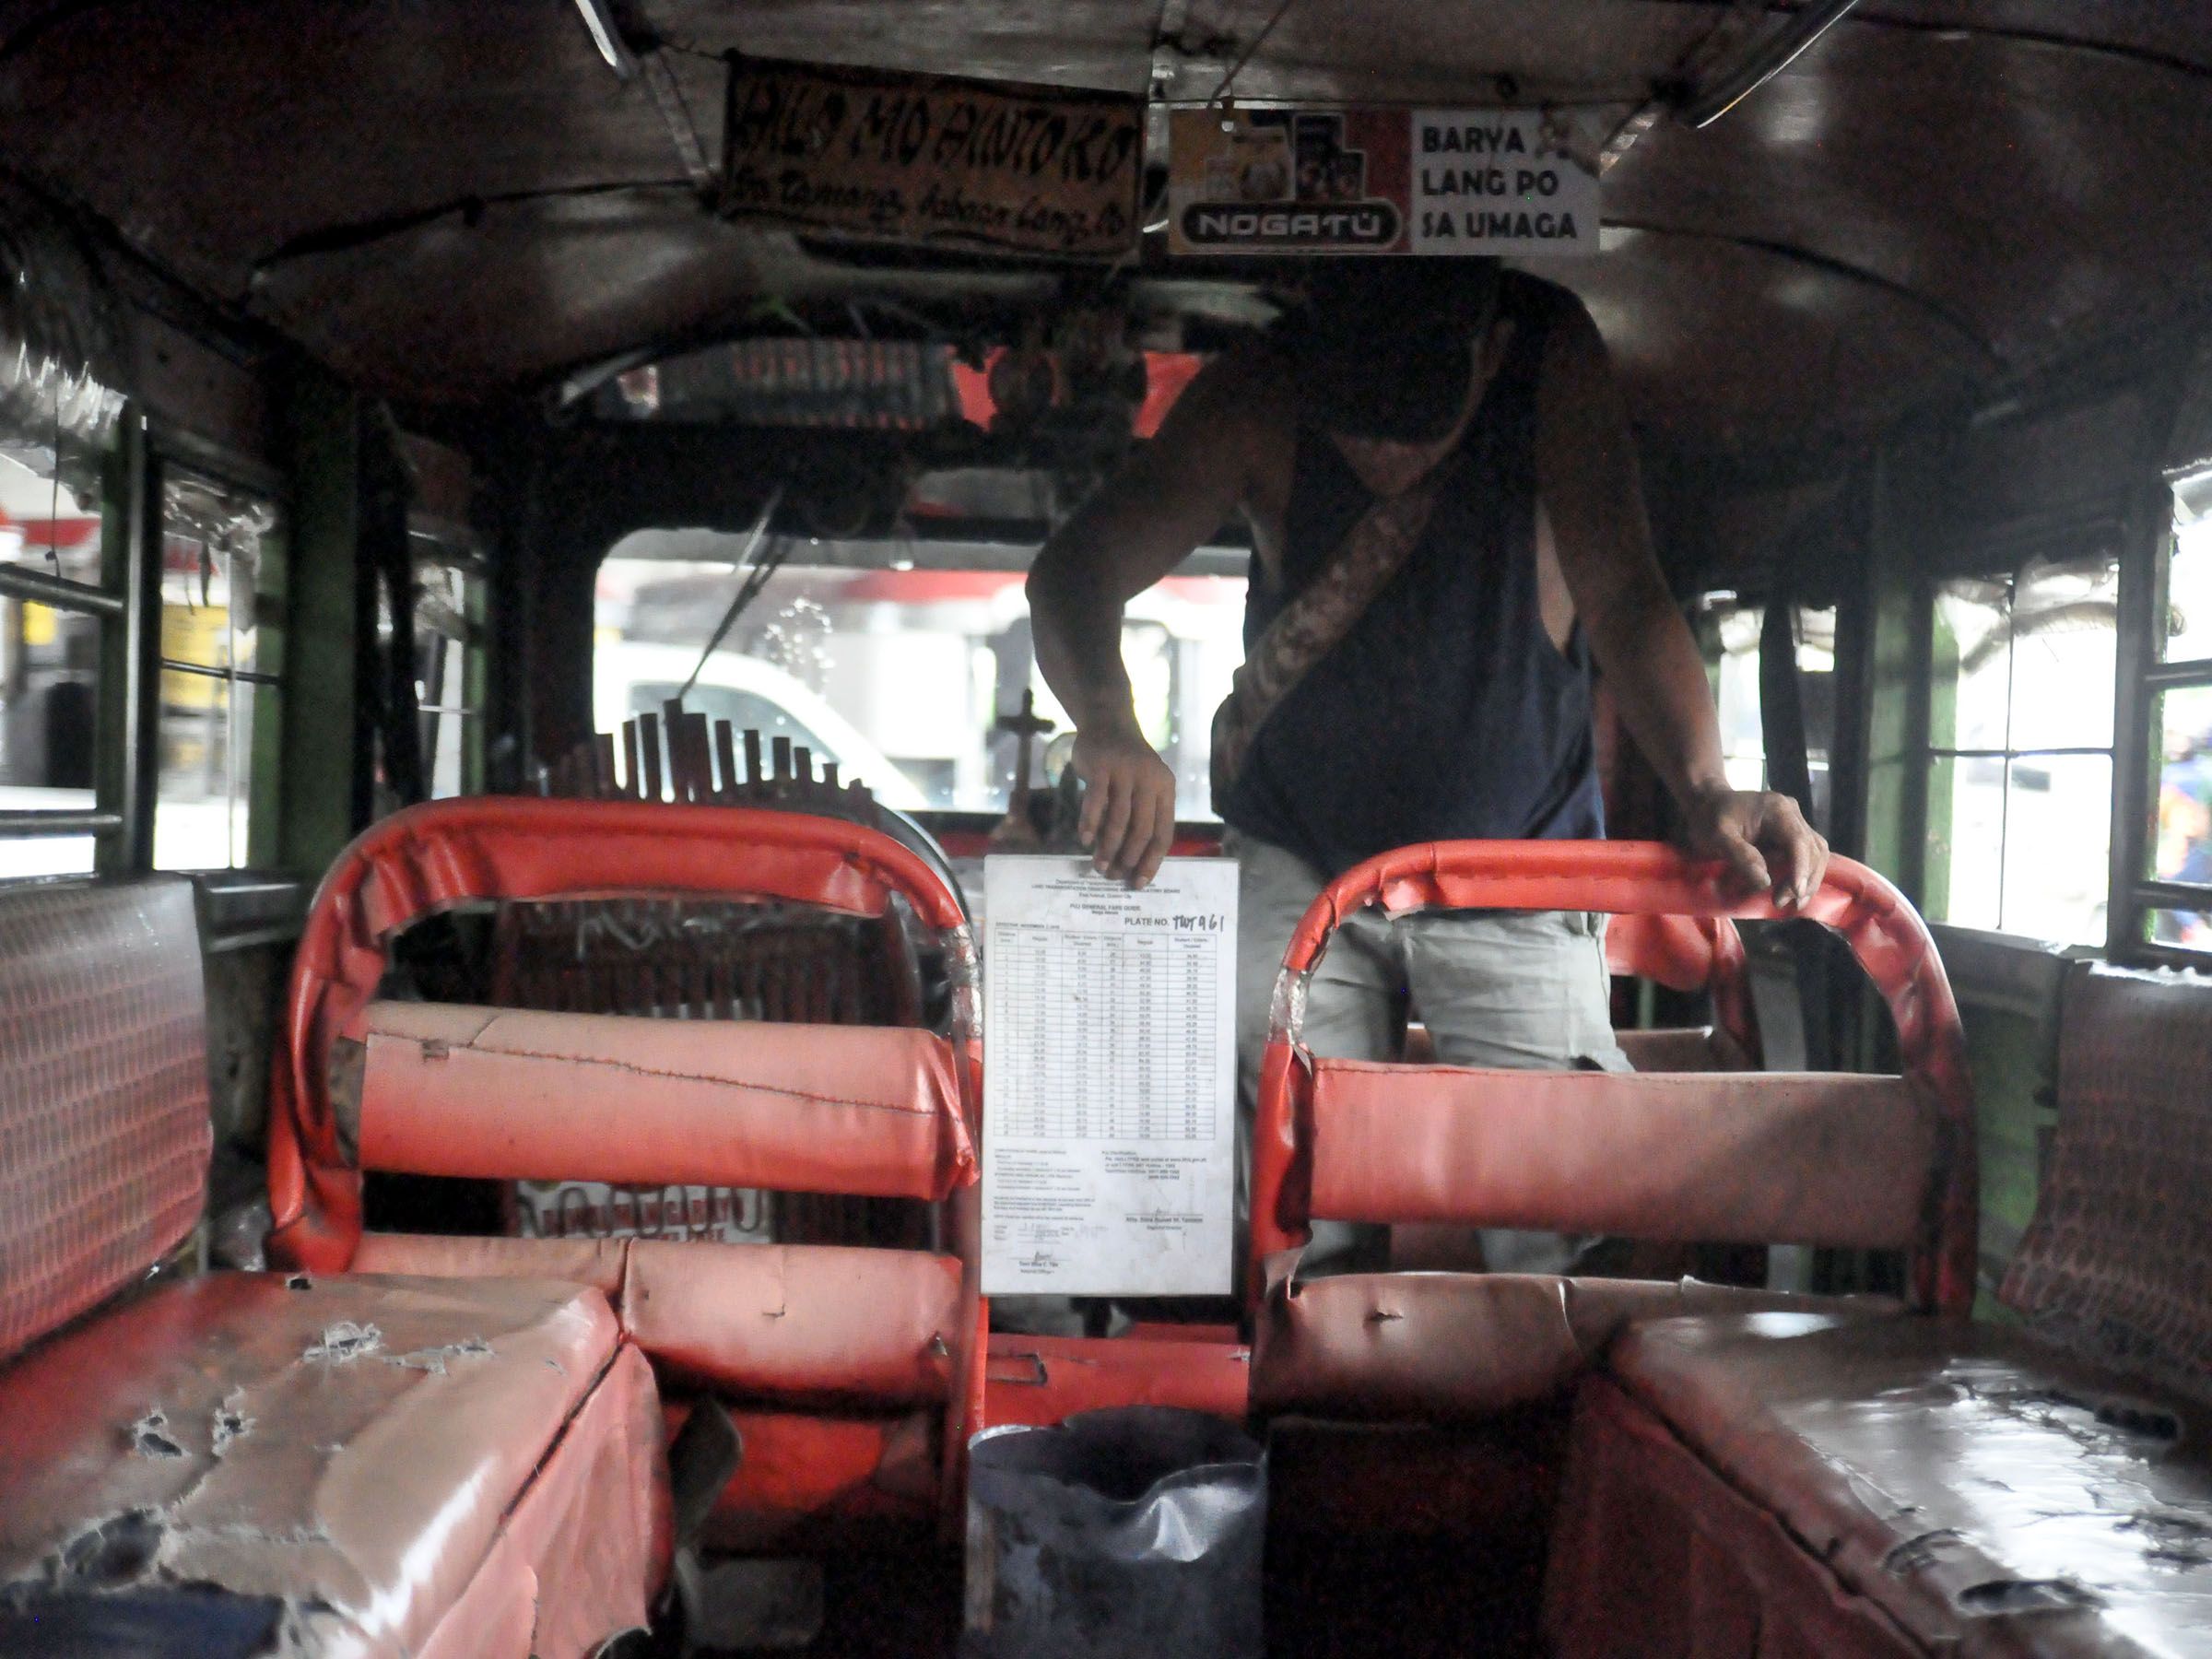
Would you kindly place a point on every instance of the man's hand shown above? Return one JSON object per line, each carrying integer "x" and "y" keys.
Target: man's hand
{"x": 1764, "y": 840}
{"x": 1128, "y": 802}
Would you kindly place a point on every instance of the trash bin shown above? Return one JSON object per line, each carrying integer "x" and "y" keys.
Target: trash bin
{"x": 1132, "y": 1533}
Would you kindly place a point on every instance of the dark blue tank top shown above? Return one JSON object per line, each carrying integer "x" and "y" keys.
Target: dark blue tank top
{"x": 1446, "y": 712}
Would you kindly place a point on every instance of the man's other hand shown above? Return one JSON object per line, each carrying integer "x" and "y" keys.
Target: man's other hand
{"x": 1763, "y": 839}
{"x": 1128, "y": 820}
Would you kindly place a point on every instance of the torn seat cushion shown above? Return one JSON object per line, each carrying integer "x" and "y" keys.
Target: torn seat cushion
{"x": 402, "y": 1466}
{"x": 784, "y": 1322}
{"x": 1974, "y": 1489}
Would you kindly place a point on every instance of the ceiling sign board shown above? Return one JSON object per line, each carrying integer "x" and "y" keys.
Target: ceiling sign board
{"x": 917, "y": 158}
{"x": 1377, "y": 182}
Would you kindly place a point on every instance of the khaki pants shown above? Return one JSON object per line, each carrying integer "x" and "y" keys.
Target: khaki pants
{"x": 1523, "y": 990}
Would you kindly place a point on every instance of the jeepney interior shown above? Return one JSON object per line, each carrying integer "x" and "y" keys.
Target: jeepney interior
{"x": 503, "y": 646}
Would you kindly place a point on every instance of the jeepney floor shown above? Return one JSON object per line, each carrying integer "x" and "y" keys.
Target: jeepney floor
{"x": 1327, "y": 1598}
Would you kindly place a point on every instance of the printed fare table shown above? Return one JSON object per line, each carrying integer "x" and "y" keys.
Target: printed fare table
{"x": 1084, "y": 995}
{"x": 1109, "y": 1160}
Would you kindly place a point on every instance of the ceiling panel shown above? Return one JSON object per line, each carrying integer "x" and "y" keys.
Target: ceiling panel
{"x": 2022, "y": 189}
{"x": 1598, "y": 52}
{"x": 449, "y": 199}
{"x": 1744, "y": 348}
{"x": 2177, "y": 29}
{"x": 525, "y": 288}
{"x": 1102, "y": 43}
{"x": 268, "y": 123}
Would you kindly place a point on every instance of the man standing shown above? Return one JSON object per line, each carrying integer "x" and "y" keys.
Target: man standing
{"x": 1447, "y": 533}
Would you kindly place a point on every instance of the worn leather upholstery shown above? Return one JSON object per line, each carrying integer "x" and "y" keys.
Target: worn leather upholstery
{"x": 804, "y": 1322}
{"x": 1770, "y": 1484}
{"x": 1752, "y": 1157}
{"x": 1655, "y": 1557}
{"x": 755, "y": 1322}
{"x": 1292, "y": 1138}
{"x": 409, "y": 1466}
{"x": 1715, "y": 1155}
{"x": 1981, "y": 1490}
{"x": 1460, "y": 1347}
{"x": 376, "y": 1466}
{"x": 489, "y": 849}
{"x": 841, "y": 1367}
{"x": 805, "y": 1332}
{"x": 445, "y": 1089}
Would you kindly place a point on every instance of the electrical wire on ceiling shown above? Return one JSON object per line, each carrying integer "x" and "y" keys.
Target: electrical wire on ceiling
{"x": 607, "y": 34}
{"x": 1709, "y": 102}
{"x": 1244, "y": 57}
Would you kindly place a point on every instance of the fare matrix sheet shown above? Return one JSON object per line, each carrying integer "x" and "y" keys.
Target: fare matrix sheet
{"x": 1110, "y": 1078}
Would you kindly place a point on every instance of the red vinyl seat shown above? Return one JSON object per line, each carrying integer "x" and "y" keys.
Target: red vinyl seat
{"x": 1729, "y": 1155}
{"x": 1949, "y": 1486}
{"x": 838, "y": 1364}
{"x": 840, "y": 1347}
{"x": 405, "y": 1466}
{"x": 1783, "y": 1483}
{"x": 1691, "y": 954}
{"x": 374, "y": 1465}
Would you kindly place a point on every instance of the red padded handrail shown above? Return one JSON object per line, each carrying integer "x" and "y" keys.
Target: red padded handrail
{"x": 1690, "y": 953}
{"x": 443, "y": 853}
{"x": 1642, "y": 878}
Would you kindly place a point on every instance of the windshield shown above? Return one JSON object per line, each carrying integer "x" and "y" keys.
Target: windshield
{"x": 921, "y": 665}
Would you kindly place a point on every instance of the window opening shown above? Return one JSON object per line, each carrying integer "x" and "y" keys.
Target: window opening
{"x": 2020, "y": 749}
{"x": 2171, "y": 910}
{"x": 57, "y": 431}
{"x": 899, "y": 674}
{"x": 449, "y": 683}
{"x": 449, "y": 588}
{"x": 215, "y": 694}
{"x": 1732, "y": 631}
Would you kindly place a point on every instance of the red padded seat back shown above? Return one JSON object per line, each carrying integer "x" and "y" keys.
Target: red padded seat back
{"x": 104, "y": 1133}
{"x": 2117, "y": 1262}
{"x": 448, "y": 1089}
{"x": 444, "y": 854}
{"x": 1734, "y": 1157}
{"x": 1741, "y": 1156}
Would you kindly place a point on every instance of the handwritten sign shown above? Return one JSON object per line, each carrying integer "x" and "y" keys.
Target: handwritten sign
{"x": 926, "y": 158}
{"x": 1379, "y": 181}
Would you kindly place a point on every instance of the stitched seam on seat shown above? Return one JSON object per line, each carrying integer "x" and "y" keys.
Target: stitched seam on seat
{"x": 1729, "y": 1080}
{"x": 929, "y": 1110}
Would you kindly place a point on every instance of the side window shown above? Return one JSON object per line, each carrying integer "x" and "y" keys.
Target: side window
{"x": 1733, "y": 634}
{"x": 219, "y": 697}
{"x": 60, "y": 605}
{"x": 2020, "y": 750}
{"x": 2171, "y": 907}
{"x": 449, "y": 663}
{"x": 447, "y": 627}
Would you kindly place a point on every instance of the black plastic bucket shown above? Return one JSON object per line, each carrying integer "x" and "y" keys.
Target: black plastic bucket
{"x": 1128, "y": 1534}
